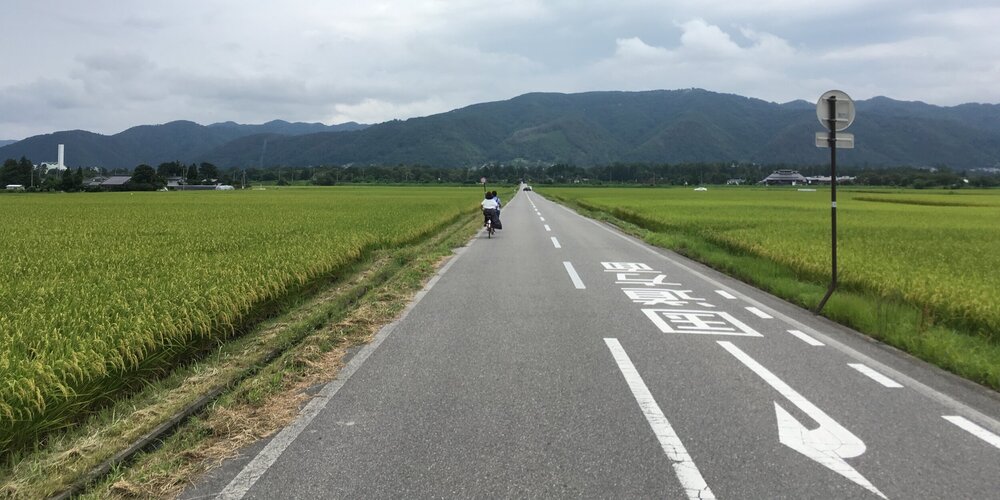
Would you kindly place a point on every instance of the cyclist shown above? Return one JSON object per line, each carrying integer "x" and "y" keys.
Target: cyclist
{"x": 490, "y": 207}
{"x": 499, "y": 205}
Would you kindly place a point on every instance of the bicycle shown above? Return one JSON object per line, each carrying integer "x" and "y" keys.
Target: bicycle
{"x": 489, "y": 228}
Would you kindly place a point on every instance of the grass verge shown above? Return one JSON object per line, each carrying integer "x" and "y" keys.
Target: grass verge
{"x": 283, "y": 357}
{"x": 911, "y": 328}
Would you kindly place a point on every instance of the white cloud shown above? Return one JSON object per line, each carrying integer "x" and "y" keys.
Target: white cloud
{"x": 704, "y": 56}
{"x": 701, "y": 39}
{"x": 375, "y": 110}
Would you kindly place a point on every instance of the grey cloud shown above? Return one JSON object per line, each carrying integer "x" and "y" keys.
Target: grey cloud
{"x": 105, "y": 66}
{"x": 117, "y": 63}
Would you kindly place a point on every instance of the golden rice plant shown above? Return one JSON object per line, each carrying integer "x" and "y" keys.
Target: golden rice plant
{"x": 93, "y": 286}
{"x": 932, "y": 249}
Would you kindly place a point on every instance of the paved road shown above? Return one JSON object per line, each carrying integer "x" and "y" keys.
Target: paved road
{"x": 563, "y": 359}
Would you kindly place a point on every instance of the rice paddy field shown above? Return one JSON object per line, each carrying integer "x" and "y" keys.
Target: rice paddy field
{"x": 936, "y": 251}
{"x": 97, "y": 286}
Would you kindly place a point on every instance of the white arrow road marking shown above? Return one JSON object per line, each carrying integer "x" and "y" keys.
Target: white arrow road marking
{"x": 829, "y": 444}
{"x": 975, "y": 430}
{"x": 687, "y": 472}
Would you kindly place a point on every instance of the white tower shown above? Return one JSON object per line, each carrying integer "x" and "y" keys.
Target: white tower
{"x": 61, "y": 165}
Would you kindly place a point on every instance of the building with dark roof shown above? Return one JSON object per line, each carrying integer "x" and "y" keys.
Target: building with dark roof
{"x": 784, "y": 177}
{"x": 115, "y": 182}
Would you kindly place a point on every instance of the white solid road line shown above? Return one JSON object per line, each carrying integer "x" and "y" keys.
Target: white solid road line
{"x": 555, "y": 242}
{"x": 725, "y": 294}
{"x": 805, "y": 338}
{"x": 876, "y": 376}
{"x": 760, "y": 314}
{"x": 577, "y": 282}
{"x": 241, "y": 484}
{"x": 974, "y": 429}
{"x": 547, "y": 228}
{"x": 687, "y": 472}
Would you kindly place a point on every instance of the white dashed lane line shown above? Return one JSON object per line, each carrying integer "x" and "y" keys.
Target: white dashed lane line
{"x": 806, "y": 338}
{"x": 974, "y": 429}
{"x": 577, "y": 282}
{"x": 760, "y": 314}
{"x": 726, "y": 295}
{"x": 555, "y": 242}
{"x": 876, "y": 376}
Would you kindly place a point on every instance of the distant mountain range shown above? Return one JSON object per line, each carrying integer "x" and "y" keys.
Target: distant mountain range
{"x": 154, "y": 144}
{"x": 4, "y": 142}
{"x": 663, "y": 126}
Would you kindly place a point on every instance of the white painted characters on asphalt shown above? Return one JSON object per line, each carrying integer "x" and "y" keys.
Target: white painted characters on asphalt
{"x": 696, "y": 317}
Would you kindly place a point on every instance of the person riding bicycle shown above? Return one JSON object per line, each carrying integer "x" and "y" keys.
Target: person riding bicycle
{"x": 499, "y": 205}
{"x": 490, "y": 208}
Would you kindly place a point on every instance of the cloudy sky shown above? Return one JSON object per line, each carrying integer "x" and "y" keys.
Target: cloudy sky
{"x": 106, "y": 65}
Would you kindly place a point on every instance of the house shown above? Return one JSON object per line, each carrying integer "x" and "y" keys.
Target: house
{"x": 94, "y": 182}
{"x": 115, "y": 182}
{"x": 784, "y": 177}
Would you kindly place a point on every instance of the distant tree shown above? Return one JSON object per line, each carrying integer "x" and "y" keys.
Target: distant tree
{"x": 25, "y": 169}
{"x": 193, "y": 177}
{"x": 328, "y": 178}
{"x": 144, "y": 178}
{"x": 7, "y": 171}
{"x": 208, "y": 171}
{"x": 16, "y": 172}
{"x": 68, "y": 181}
{"x": 171, "y": 169}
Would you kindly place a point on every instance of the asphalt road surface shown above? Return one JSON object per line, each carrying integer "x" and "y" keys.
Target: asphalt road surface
{"x": 564, "y": 359}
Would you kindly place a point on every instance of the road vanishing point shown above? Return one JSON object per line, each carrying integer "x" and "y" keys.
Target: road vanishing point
{"x": 564, "y": 359}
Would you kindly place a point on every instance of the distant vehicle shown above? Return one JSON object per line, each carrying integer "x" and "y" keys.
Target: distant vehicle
{"x": 527, "y": 188}
{"x": 224, "y": 187}
{"x": 15, "y": 187}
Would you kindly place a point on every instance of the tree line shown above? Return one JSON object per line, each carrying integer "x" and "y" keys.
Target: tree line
{"x": 145, "y": 177}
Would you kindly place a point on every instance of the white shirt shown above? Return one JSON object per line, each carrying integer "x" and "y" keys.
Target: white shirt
{"x": 489, "y": 203}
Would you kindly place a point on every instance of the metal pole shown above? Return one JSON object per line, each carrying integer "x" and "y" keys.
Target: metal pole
{"x": 832, "y": 141}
